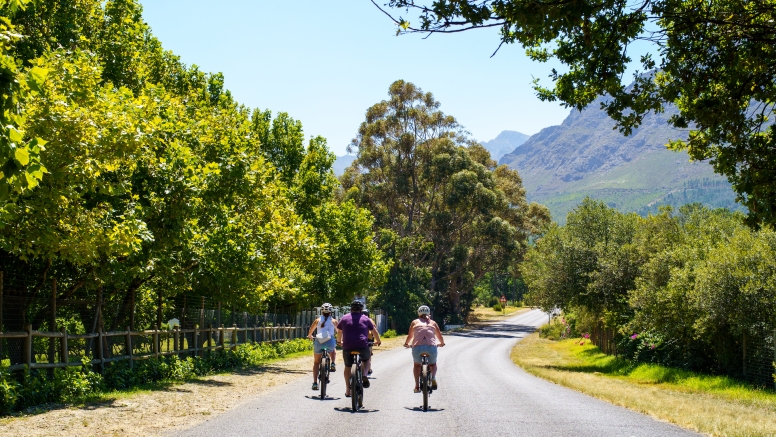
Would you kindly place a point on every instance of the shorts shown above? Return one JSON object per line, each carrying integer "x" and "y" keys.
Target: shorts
{"x": 431, "y": 350}
{"x": 348, "y": 358}
{"x": 329, "y": 344}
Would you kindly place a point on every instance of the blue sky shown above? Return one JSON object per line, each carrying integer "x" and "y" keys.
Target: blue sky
{"x": 326, "y": 62}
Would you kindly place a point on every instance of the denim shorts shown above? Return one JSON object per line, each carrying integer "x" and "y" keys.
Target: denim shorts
{"x": 329, "y": 344}
{"x": 431, "y": 350}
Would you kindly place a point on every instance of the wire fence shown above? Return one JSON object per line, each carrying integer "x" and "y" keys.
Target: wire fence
{"x": 44, "y": 324}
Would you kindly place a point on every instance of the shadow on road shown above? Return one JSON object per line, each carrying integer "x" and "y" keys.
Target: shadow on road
{"x": 348, "y": 410}
{"x": 420, "y": 409}
{"x": 318, "y": 398}
{"x": 498, "y": 330}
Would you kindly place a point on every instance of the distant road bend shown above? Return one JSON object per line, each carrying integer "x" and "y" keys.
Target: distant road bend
{"x": 481, "y": 393}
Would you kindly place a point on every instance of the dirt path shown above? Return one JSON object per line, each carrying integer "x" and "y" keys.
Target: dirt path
{"x": 168, "y": 409}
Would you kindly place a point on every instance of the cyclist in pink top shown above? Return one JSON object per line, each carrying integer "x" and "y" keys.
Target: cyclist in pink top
{"x": 424, "y": 336}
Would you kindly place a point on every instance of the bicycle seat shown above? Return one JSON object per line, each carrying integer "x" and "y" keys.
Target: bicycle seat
{"x": 355, "y": 353}
{"x": 424, "y": 354}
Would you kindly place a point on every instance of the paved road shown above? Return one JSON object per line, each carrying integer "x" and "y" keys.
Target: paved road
{"x": 481, "y": 393}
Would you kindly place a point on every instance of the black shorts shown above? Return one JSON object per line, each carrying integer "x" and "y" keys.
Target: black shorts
{"x": 348, "y": 358}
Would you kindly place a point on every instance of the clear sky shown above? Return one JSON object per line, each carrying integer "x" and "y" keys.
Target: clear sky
{"x": 326, "y": 62}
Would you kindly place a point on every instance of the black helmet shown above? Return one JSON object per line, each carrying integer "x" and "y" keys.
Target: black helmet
{"x": 365, "y": 311}
{"x": 356, "y": 305}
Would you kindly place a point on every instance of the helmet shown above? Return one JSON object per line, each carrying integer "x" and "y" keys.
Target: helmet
{"x": 326, "y": 308}
{"x": 356, "y": 305}
{"x": 424, "y": 310}
{"x": 365, "y": 311}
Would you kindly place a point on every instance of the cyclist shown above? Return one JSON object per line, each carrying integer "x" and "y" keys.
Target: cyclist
{"x": 327, "y": 327}
{"x": 424, "y": 336}
{"x": 370, "y": 341}
{"x": 352, "y": 333}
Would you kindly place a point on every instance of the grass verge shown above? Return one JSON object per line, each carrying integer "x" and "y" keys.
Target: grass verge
{"x": 486, "y": 314}
{"x": 712, "y": 405}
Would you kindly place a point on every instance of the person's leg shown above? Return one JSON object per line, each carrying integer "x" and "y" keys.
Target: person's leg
{"x": 346, "y": 372}
{"x": 416, "y": 374}
{"x": 316, "y": 365}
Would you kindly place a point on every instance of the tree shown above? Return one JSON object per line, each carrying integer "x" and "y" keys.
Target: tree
{"x": 713, "y": 60}
{"x": 444, "y": 212}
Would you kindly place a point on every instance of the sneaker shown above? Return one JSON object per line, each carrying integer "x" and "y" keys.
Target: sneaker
{"x": 417, "y": 390}
{"x": 332, "y": 368}
{"x": 315, "y": 386}
{"x": 433, "y": 384}
{"x": 369, "y": 373}
{"x": 365, "y": 383}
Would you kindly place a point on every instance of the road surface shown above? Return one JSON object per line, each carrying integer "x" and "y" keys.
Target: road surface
{"x": 481, "y": 393}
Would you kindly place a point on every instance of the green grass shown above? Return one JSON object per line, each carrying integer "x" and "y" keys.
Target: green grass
{"x": 590, "y": 359}
{"x": 715, "y": 405}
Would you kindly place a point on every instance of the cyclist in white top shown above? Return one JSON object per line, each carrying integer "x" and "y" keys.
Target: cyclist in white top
{"x": 326, "y": 325}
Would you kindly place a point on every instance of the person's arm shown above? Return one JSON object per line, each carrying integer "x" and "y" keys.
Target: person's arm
{"x": 312, "y": 328}
{"x": 377, "y": 337}
{"x": 409, "y": 338}
{"x": 339, "y": 336}
{"x": 439, "y": 335}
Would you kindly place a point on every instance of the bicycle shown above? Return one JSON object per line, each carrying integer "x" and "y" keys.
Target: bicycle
{"x": 356, "y": 383}
{"x": 323, "y": 371}
{"x": 425, "y": 379}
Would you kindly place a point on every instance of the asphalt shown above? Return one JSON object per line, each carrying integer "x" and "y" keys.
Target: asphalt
{"x": 481, "y": 393}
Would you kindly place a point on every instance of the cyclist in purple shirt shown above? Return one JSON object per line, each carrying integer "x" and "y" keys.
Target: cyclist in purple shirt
{"x": 352, "y": 333}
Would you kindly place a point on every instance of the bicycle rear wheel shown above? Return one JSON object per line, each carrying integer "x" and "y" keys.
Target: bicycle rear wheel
{"x": 424, "y": 385}
{"x": 360, "y": 384}
{"x": 354, "y": 388}
{"x": 323, "y": 375}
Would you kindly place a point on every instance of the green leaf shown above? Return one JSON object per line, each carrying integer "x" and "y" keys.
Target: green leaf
{"x": 14, "y": 135}
{"x": 21, "y": 156}
{"x": 35, "y": 78}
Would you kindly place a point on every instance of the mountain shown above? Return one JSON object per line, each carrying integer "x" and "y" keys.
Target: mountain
{"x": 585, "y": 156}
{"x": 341, "y": 163}
{"x": 504, "y": 143}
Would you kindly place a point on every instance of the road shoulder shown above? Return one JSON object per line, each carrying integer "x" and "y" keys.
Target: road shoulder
{"x": 173, "y": 407}
{"x": 703, "y": 412}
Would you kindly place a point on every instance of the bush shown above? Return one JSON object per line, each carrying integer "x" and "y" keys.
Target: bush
{"x": 497, "y": 307}
{"x": 493, "y": 301}
{"x": 76, "y": 384}
{"x": 389, "y": 333}
{"x": 560, "y": 328}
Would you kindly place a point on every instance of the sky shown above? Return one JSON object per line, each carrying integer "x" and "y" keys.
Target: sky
{"x": 326, "y": 62}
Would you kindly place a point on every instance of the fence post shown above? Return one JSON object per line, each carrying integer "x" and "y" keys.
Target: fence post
{"x": 221, "y": 336}
{"x": 744, "y": 341}
{"x": 28, "y": 345}
{"x": 209, "y": 338}
{"x": 100, "y": 354}
{"x": 196, "y": 340}
{"x": 176, "y": 331}
{"x": 52, "y": 352}
{"x": 63, "y": 353}
{"x": 156, "y": 341}
{"x": 128, "y": 345}
{"x": 234, "y": 337}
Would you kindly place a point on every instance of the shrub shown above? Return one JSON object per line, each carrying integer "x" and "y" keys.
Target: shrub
{"x": 389, "y": 333}
{"x": 497, "y": 307}
{"x": 493, "y": 301}
{"x": 76, "y": 384}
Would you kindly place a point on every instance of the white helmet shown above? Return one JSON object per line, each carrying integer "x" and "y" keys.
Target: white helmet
{"x": 424, "y": 311}
{"x": 326, "y": 308}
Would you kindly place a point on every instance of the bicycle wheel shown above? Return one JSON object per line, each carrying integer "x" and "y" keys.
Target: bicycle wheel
{"x": 360, "y": 384}
{"x": 323, "y": 375}
{"x": 354, "y": 387}
{"x": 424, "y": 385}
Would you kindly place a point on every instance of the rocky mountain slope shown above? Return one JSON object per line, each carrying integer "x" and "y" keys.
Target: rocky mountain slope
{"x": 341, "y": 163}
{"x": 584, "y": 156}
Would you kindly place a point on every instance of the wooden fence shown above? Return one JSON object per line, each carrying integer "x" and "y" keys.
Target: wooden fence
{"x": 66, "y": 349}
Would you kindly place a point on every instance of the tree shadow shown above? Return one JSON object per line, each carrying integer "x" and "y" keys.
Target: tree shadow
{"x": 498, "y": 330}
